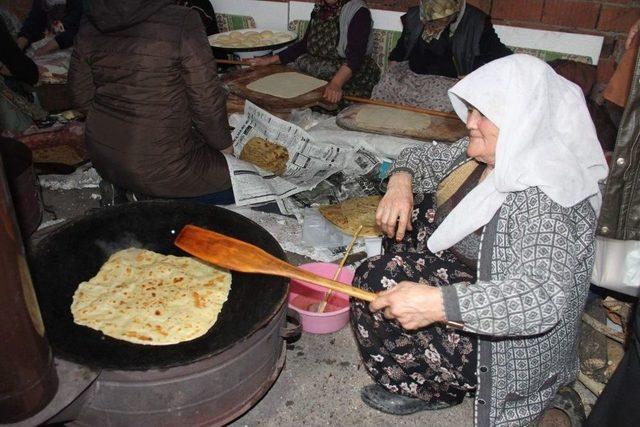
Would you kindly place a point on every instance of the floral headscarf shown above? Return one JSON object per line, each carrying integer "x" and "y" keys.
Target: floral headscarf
{"x": 436, "y": 15}
{"x": 326, "y": 10}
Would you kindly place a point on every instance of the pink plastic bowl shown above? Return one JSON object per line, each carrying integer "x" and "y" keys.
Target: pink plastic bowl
{"x": 303, "y": 294}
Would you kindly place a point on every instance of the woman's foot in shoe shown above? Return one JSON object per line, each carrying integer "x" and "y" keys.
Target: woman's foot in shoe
{"x": 378, "y": 398}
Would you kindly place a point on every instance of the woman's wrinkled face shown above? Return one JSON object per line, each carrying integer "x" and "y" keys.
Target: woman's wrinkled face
{"x": 483, "y": 137}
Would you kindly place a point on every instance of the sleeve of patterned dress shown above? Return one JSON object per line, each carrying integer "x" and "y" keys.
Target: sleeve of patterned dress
{"x": 81, "y": 86}
{"x": 207, "y": 98}
{"x": 428, "y": 163}
{"x": 545, "y": 251}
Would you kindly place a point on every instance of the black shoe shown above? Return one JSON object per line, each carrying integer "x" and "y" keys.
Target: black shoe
{"x": 378, "y": 398}
{"x": 566, "y": 410}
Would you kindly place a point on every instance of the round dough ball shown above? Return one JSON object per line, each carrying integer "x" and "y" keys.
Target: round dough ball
{"x": 236, "y": 34}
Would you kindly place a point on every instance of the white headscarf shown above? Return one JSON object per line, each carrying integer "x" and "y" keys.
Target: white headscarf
{"x": 546, "y": 140}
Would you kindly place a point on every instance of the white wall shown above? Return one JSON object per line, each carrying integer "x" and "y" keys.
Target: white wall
{"x": 382, "y": 19}
{"x": 267, "y": 14}
{"x": 276, "y": 15}
{"x": 577, "y": 44}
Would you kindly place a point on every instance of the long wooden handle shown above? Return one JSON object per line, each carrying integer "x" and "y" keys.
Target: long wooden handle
{"x": 237, "y": 255}
{"x": 400, "y": 107}
{"x": 327, "y": 295}
{"x": 232, "y": 62}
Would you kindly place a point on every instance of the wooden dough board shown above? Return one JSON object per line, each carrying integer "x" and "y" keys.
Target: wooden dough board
{"x": 237, "y": 82}
{"x": 441, "y": 129}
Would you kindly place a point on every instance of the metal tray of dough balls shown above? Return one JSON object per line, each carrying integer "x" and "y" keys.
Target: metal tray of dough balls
{"x": 255, "y": 40}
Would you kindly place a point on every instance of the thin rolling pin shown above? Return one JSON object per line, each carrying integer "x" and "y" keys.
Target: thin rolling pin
{"x": 400, "y": 107}
{"x": 232, "y": 62}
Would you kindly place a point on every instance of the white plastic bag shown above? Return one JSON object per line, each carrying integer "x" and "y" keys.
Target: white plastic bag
{"x": 320, "y": 233}
{"x": 617, "y": 265}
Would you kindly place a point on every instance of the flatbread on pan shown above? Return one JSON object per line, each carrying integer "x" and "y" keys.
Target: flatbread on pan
{"x": 350, "y": 214}
{"x": 286, "y": 85}
{"x": 266, "y": 155}
{"x": 148, "y": 298}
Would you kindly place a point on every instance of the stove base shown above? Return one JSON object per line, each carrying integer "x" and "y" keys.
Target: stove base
{"x": 209, "y": 392}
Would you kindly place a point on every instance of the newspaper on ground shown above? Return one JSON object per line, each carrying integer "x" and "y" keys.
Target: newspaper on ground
{"x": 308, "y": 162}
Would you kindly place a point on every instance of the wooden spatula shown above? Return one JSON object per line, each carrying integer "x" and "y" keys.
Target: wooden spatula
{"x": 237, "y": 255}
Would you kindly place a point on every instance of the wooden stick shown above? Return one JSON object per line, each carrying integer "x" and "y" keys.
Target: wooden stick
{"x": 602, "y": 328}
{"x": 232, "y": 62}
{"x": 327, "y": 295}
{"x": 592, "y": 385}
{"x": 400, "y": 107}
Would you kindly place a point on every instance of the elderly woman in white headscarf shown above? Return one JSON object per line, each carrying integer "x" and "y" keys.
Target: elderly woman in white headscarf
{"x": 489, "y": 252}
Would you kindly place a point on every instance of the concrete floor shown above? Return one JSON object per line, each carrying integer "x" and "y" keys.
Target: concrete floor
{"x": 320, "y": 382}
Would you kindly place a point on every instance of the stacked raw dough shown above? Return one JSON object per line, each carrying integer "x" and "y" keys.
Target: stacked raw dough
{"x": 250, "y": 38}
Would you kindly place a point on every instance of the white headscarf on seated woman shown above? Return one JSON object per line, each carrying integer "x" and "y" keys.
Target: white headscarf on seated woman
{"x": 546, "y": 140}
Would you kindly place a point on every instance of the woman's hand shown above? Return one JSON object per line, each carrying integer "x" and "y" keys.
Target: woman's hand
{"x": 333, "y": 90}
{"x": 413, "y": 305}
{"x": 396, "y": 206}
{"x": 264, "y": 60}
{"x": 332, "y": 93}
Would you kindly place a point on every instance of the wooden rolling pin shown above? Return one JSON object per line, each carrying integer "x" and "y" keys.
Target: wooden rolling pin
{"x": 364, "y": 100}
{"x": 400, "y": 107}
{"x": 232, "y": 62}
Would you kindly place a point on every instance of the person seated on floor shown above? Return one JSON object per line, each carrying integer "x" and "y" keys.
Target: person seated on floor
{"x": 336, "y": 47}
{"x": 156, "y": 112}
{"x": 56, "y": 17}
{"x": 16, "y": 71}
{"x": 441, "y": 41}
{"x": 495, "y": 267}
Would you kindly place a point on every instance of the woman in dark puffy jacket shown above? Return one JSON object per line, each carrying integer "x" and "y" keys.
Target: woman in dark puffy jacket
{"x": 156, "y": 112}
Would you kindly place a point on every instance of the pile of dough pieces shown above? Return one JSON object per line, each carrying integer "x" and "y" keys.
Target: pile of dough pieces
{"x": 243, "y": 39}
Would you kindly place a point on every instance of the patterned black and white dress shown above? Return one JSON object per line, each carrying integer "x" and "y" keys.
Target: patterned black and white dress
{"x": 435, "y": 364}
{"x": 523, "y": 308}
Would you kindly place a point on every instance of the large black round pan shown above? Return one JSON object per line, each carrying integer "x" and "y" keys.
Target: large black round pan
{"x": 75, "y": 252}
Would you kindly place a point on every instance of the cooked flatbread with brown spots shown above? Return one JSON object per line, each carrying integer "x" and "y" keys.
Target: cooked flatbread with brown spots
{"x": 266, "y": 155}
{"x": 147, "y": 298}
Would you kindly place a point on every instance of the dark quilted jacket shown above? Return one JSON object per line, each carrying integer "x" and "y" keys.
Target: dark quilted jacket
{"x": 156, "y": 112}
